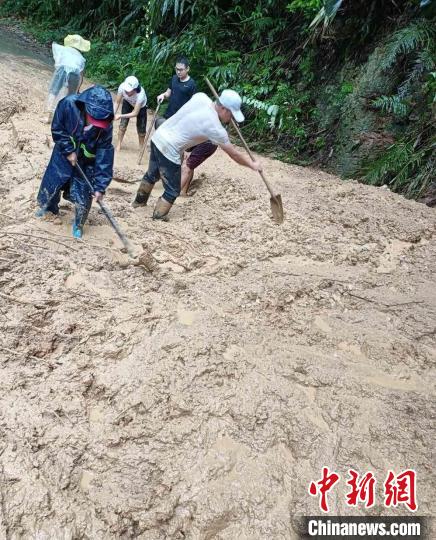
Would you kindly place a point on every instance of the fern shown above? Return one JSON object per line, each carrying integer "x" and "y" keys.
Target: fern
{"x": 417, "y": 38}
{"x": 420, "y": 183}
{"x": 391, "y": 105}
{"x": 403, "y": 167}
{"x": 418, "y": 35}
{"x": 405, "y": 87}
{"x": 389, "y": 164}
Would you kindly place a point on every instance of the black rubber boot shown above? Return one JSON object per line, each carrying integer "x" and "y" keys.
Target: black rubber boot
{"x": 142, "y": 194}
{"x": 161, "y": 209}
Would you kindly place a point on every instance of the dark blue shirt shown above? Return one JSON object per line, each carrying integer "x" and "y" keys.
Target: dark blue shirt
{"x": 181, "y": 93}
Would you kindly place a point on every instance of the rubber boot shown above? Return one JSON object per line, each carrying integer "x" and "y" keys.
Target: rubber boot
{"x": 77, "y": 231}
{"x": 82, "y": 211}
{"x": 41, "y": 212}
{"x": 161, "y": 209}
{"x": 121, "y": 133}
{"x": 142, "y": 194}
{"x": 46, "y": 215}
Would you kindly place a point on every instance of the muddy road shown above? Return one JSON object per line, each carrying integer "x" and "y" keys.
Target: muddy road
{"x": 199, "y": 400}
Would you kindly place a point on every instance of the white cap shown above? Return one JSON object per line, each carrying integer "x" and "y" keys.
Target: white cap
{"x": 131, "y": 83}
{"x": 232, "y": 100}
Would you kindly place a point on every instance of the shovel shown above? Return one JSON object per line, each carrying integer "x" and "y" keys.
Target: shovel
{"x": 275, "y": 200}
{"x": 109, "y": 216}
{"x": 141, "y": 153}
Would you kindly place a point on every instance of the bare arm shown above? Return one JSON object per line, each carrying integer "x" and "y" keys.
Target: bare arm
{"x": 117, "y": 103}
{"x": 239, "y": 157}
{"x": 165, "y": 95}
{"x": 132, "y": 114}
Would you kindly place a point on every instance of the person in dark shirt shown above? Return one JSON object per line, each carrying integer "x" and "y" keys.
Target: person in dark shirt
{"x": 180, "y": 90}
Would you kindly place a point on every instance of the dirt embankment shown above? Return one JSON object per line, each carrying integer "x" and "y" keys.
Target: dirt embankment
{"x": 199, "y": 400}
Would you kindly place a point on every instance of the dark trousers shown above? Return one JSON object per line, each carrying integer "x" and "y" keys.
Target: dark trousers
{"x": 161, "y": 167}
{"x": 61, "y": 178}
{"x": 141, "y": 119}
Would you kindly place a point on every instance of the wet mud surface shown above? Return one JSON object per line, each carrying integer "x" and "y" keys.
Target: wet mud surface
{"x": 195, "y": 396}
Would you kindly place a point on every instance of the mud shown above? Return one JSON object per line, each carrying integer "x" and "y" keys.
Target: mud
{"x": 197, "y": 395}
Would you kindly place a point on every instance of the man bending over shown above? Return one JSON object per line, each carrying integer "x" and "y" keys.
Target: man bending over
{"x": 197, "y": 121}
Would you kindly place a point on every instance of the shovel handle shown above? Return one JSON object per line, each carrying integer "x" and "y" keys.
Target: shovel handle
{"x": 141, "y": 153}
{"x": 116, "y": 227}
{"x": 108, "y": 215}
{"x": 238, "y": 131}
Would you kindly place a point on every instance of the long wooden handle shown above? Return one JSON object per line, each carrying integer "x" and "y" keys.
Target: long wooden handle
{"x": 141, "y": 153}
{"x": 238, "y": 131}
{"x": 108, "y": 214}
{"x": 116, "y": 227}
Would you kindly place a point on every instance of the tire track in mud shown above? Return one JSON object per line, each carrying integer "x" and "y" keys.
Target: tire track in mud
{"x": 199, "y": 399}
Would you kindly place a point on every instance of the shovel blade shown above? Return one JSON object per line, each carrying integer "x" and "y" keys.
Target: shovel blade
{"x": 277, "y": 208}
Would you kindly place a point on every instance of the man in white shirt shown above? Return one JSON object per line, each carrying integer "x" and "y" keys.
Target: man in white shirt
{"x": 134, "y": 104}
{"x": 197, "y": 121}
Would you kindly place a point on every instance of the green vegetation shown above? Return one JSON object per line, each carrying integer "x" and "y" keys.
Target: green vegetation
{"x": 349, "y": 86}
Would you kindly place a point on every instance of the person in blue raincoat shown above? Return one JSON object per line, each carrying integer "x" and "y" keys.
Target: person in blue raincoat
{"x": 82, "y": 132}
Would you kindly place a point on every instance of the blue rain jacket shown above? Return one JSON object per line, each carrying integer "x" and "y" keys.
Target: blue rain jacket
{"x": 94, "y": 148}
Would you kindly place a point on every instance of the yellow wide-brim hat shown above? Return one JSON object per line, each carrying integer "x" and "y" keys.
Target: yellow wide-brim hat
{"x": 76, "y": 41}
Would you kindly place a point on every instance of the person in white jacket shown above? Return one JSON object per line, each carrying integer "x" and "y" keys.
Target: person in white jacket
{"x": 69, "y": 68}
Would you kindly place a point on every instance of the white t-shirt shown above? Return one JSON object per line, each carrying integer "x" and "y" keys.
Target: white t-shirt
{"x": 137, "y": 97}
{"x": 69, "y": 58}
{"x": 196, "y": 122}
